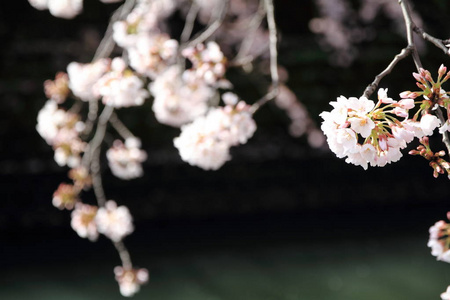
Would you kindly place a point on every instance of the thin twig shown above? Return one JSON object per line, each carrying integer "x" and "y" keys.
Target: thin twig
{"x": 107, "y": 44}
{"x": 435, "y": 41}
{"x": 409, "y": 32}
{"x": 211, "y": 29}
{"x": 91, "y": 117}
{"x": 370, "y": 89}
{"x": 273, "y": 57}
{"x": 189, "y": 24}
{"x": 242, "y": 56}
{"x": 124, "y": 255}
{"x": 120, "y": 127}
{"x": 93, "y": 154}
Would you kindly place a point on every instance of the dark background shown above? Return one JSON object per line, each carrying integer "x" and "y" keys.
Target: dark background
{"x": 279, "y": 221}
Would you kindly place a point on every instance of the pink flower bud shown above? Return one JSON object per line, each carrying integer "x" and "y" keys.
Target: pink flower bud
{"x": 442, "y": 70}
{"x": 418, "y": 77}
{"x": 409, "y": 95}
{"x": 406, "y": 103}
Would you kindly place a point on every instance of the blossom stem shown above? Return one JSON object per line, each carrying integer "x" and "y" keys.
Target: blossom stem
{"x": 107, "y": 44}
{"x": 211, "y": 29}
{"x": 370, "y": 89}
{"x": 242, "y": 57}
{"x": 120, "y": 127}
{"x": 190, "y": 20}
{"x": 409, "y": 32}
{"x": 273, "y": 57}
{"x": 93, "y": 154}
{"x": 124, "y": 255}
{"x": 435, "y": 41}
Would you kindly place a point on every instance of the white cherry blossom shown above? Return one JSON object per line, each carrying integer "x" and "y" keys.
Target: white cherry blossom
{"x": 115, "y": 222}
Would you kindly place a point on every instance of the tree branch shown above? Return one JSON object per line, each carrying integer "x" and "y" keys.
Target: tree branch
{"x": 220, "y": 16}
{"x": 370, "y": 89}
{"x": 273, "y": 57}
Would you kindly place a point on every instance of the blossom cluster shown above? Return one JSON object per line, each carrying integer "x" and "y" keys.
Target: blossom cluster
{"x": 206, "y": 141}
{"x": 130, "y": 280}
{"x": 439, "y": 241}
{"x": 369, "y": 133}
{"x": 61, "y": 129}
{"x": 125, "y": 160}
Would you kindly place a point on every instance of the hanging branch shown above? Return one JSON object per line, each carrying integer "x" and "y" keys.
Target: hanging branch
{"x": 107, "y": 44}
{"x": 211, "y": 29}
{"x": 242, "y": 58}
{"x": 273, "y": 57}
{"x": 120, "y": 127}
{"x": 410, "y": 28}
{"x": 190, "y": 20}
{"x": 370, "y": 89}
{"x": 441, "y": 44}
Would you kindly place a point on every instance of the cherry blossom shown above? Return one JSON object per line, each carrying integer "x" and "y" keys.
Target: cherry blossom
{"x": 120, "y": 87}
{"x": 82, "y": 78}
{"x": 446, "y": 294}
{"x": 151, "y": 54}
{"x": 83, "y": 221}
{"x": 115, "y": 222}
{"x": 57, "y": 89}
{"x": 53, "y": 123}
{"x": 361, "y": 130}
{"x": 125, "y": 160}
{"x": 66, "y": 9}
{"x": 208, "y": 63}
{"x": 66, "y": 196}
{"x": 176, "y": 101}
{"x": 439, "y": 242}
{"x": 206, "y": 141}
{"x": 130, "y": 280}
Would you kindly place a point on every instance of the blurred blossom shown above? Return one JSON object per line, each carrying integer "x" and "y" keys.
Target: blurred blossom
{"x": 130, "y": 281}
{"x": 82, "y": 78}
{"x": 66, "y": 196}
{"x": 83, "y": 221}
{"x": 125, "y": 160}
{"x": 206, "y": 141}
{"x": 66, "y": 9}
{"x": 151, "y": 54}
{"x": 178, "y": 101}
{"x": 57, "y": 89}
{"x": 80, "y": 176}
{"x": 120, "y": 87}
{"x": 208, "y": 63}
{"x": 115, "y": 222}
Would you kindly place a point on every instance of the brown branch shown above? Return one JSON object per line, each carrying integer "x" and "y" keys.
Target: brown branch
{"x": 435, "y": 41}
{"x": 409, "y": 32}
{"x": 370, "y": 89}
